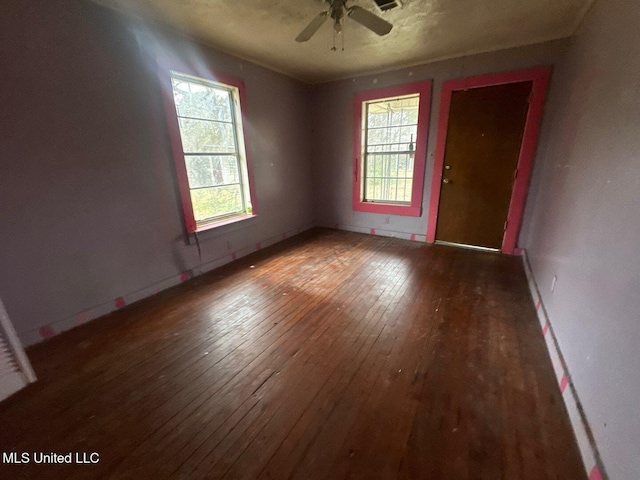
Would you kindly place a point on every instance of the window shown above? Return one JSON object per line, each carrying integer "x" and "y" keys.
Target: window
{"x": 209, "y": 151}
{"x": 390, "y": 149}
{"x": 390, "y": 132}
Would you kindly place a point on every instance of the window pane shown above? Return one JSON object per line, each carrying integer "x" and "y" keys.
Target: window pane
{"x": 373, "y": 188}
{"x": 410, "y": 115}
{"x": 199, "y": 171}
{"x": 200, "y": 136}
{"x": 402, "y": 111}
{"x": 210, "y": 171}
{"x": 392, "y": 139}
{"x": 195, "y": 100}
{"x": 379, "y": 166}
{"x": 389, "y": 178}
{"x": 392, "y": 189}
{"x": 370, "y": 167}
{"x": 409, "y": 186}
{"x": 393, "y": 165}
{"x": 391, "y": 127}
{"x": 407, "y": 135}
{"x": 226, "y": 170}
{"x": 216, "y": 201}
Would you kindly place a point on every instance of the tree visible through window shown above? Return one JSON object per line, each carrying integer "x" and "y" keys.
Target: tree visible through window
{"x": 210, "y": 126}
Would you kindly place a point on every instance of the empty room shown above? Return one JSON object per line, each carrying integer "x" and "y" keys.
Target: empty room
{"x": 320, "y": 239}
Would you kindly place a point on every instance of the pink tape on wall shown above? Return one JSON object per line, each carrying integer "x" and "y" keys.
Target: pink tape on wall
{"x": 46, "y": 331}
{"x": 258, "y": 246}
{"x": 538, "y": 305}
{"x": 545, "y": 328}
{"x": 564, "y": 382}
{"x": 413, "y": 237}
{"x": 595, "y": 473}
{"x": 119, "y": 303}
{"x": 372, "y": 231}
{"x": 83, "y": 317}
{"x": 184, "y": 276}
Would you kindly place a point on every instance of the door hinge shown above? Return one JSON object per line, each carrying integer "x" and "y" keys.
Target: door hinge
{"x": 506, "y": 222}
{"x": 515, "y": 174}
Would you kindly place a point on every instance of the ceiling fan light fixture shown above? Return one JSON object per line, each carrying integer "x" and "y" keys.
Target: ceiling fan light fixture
{"x": 337, "y": 26}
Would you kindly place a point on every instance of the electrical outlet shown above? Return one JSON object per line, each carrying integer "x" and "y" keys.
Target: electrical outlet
{"x": 553, "y": 283}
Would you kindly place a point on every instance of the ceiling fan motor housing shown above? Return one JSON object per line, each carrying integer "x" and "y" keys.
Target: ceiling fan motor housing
{"x": 336, "y": 10}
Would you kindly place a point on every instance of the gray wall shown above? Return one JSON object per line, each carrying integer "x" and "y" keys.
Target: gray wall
{"x": 583, "y": 225}
{"x": 333, "y": 133}
{"x": 89, "y": 204}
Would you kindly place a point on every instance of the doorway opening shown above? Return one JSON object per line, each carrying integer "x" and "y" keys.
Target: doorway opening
{"x": 487, "y": 134}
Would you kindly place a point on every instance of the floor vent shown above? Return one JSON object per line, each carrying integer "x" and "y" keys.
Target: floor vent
{"x": 15, "y": 369}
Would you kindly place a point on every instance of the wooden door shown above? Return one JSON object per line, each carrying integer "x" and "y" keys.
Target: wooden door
{"x": 484, "y": 136}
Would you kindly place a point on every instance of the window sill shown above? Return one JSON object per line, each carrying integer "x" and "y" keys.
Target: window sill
{"x": 226, "y": 221}
{"x": 387, "y": 209}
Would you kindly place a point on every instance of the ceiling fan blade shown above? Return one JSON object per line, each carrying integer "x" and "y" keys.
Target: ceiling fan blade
{"x": 370, "y": 20}
{"x": 312, "y": 28}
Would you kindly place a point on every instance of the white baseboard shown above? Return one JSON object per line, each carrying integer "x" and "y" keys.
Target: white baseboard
{"x": 582, "y": 431}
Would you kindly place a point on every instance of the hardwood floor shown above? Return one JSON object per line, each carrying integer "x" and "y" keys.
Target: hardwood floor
{"x": 331, "y": 355}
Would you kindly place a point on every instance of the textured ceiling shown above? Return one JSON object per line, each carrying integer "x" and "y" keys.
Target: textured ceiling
{"x": 424, "y": 30}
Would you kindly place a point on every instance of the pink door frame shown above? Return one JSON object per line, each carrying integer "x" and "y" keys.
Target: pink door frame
{"x": 540, "y": 77}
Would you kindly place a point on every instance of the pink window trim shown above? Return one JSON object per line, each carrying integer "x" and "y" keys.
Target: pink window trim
{"x": 165, "y": 65}
{"x": 540, "y": 77}
{"x": 415, "y": 208}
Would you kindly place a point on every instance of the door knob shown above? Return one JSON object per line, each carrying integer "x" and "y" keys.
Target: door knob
{"x": 446, "y": 180}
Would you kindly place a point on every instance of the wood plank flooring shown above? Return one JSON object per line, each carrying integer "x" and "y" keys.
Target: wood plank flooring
{"x": 331, "y": 355}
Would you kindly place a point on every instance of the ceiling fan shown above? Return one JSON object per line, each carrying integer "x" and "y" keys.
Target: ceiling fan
{"x": 339, "y": 10}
